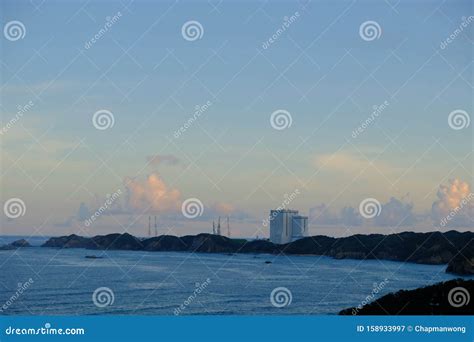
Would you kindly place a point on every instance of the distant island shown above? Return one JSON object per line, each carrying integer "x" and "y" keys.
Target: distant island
{"x": 15, "y": 244}
{"x": 446, "y": 298}
{"x": 452, "y": 248}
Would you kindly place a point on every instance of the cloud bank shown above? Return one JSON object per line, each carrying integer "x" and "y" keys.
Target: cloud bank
{"x": 394, "y": 213}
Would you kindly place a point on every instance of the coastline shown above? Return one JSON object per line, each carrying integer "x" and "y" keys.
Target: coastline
{"x": 240, "y": 284}
{"x": 443, "y": 298}
{"x": 433, "y": 248}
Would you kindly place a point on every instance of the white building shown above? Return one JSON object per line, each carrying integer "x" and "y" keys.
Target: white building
{"x": 287, "y": 226}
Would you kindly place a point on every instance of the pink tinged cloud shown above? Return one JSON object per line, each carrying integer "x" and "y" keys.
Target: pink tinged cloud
{"x": 151, "y": 195}
{"x": 455, "y": 205}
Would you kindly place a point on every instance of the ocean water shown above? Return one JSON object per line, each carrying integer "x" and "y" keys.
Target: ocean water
{"x": 157, "y": 283}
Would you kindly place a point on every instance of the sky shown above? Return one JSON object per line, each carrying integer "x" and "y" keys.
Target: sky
{"x": 355, "y": 113}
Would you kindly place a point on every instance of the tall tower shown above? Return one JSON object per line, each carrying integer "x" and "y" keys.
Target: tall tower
{"x": 156, "y": 228}
{"x": 219, "y": 226}
{"x": 213, "y": 228}
{"x": 149, "y": 226}
{"x": 228, "y": 227}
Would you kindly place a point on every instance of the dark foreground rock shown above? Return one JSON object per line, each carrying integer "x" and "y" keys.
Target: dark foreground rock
{"x": 448, "y": 298}
{"x": 427, "y": 248}
{"x": 461, "y": 265}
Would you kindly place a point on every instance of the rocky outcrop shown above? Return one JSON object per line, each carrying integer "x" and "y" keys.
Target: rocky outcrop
{"x": 427, "y": 248}
{"x": 117, "y": 241}
{"x": 20, "y": 243}
{"x": 461, "y": 265}
{"x": 447, "y": 298}
{"x": 206, "y": 243}
{"x": 259, "y": 246}
{"x": 15, "y": 244}
{"x": 70, "y": 241}
{"x": 164, "y": 243}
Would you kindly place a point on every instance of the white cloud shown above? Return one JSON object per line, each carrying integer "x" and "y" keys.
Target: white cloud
{"x": 349, "y": 163}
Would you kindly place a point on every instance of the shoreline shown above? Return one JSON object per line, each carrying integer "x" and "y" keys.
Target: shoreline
{"x": 434, "y": 248}
{"x": 422, "y": 293}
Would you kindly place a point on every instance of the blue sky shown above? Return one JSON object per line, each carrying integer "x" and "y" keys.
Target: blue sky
{"x": 151, "y": 79}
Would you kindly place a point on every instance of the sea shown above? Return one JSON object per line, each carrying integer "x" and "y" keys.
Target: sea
{"x": 51, "y": 281}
